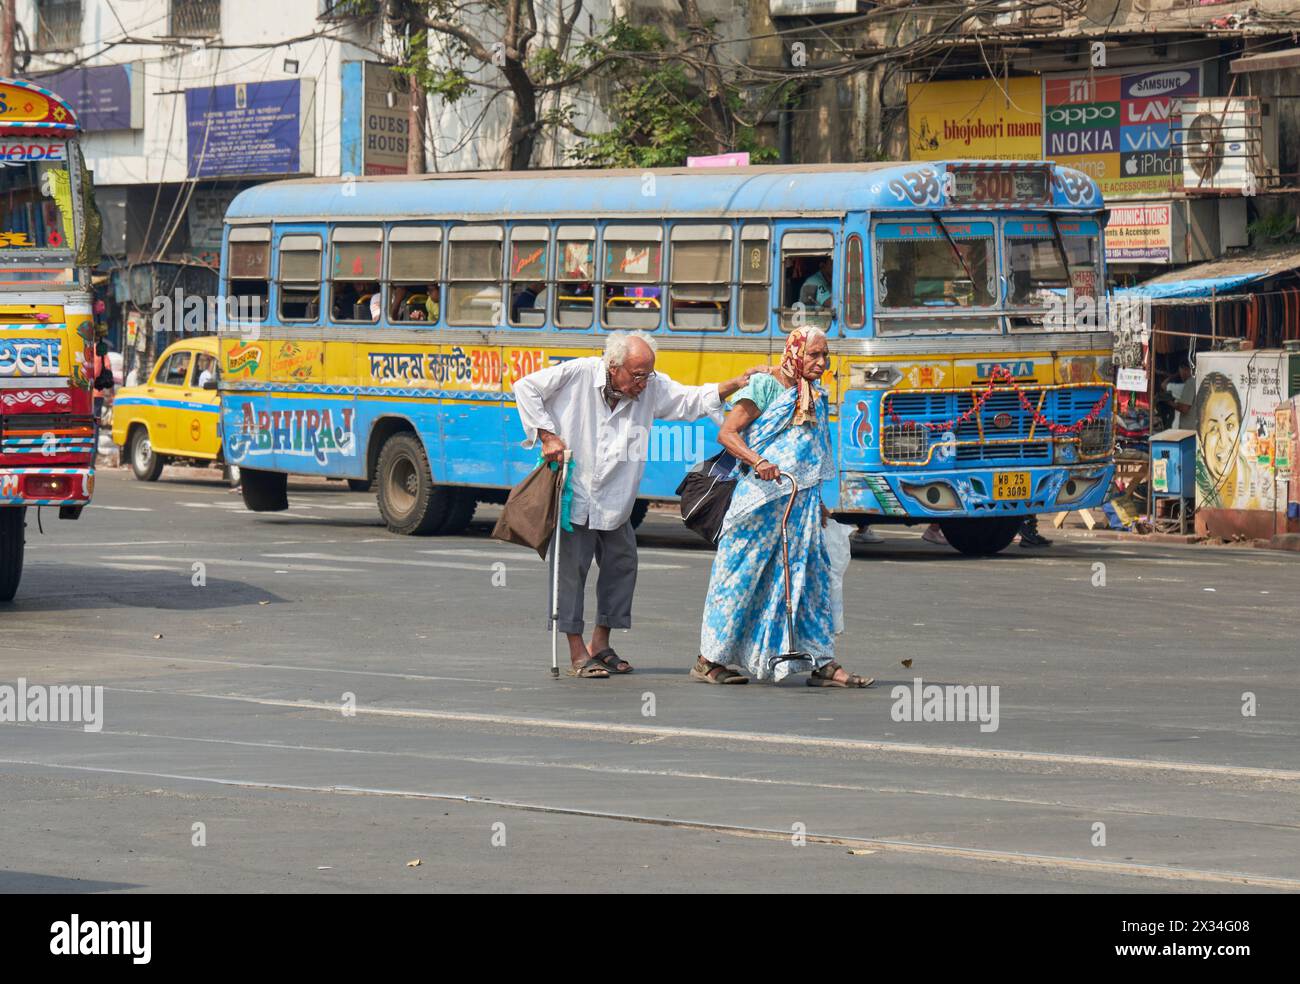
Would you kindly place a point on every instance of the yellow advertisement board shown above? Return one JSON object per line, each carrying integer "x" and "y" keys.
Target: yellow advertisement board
{"x": 983, "y": 119}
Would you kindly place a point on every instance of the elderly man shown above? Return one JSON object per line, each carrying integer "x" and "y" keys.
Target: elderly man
{"x": 602, "y": 408}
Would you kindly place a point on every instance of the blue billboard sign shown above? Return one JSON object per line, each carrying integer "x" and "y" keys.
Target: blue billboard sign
{"x": 249, "y": 128}
{"x": 101, "y": 95}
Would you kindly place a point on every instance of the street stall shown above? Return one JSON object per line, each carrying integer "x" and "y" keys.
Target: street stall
{"x": 1235, "y": 320}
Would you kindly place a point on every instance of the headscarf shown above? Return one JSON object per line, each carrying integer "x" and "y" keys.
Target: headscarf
{"x": 792, "y": 364}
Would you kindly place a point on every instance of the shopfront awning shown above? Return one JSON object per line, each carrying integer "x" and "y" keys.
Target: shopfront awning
{"x": 1206, "y": 280}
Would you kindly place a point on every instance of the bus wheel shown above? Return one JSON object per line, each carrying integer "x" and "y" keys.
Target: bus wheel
{"x": 638, "y": 512}
{"x": 12, "y": 521}
{"x": 145, "y": 465}
{"x": 359, "y": 484}
{"x": 264, "y": 491}
{"x": 981, "y": 537}
{"x": 460, "y": 512}
{"x": 409, "y": 501}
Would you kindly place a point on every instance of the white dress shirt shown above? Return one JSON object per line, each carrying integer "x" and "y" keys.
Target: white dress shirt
{"x": 609, "y": 447}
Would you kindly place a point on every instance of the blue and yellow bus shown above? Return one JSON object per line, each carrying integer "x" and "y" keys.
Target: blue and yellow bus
{"x": 395, "y": 313}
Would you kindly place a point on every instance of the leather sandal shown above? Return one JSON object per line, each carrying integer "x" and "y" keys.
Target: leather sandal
{"x": 705, "y": 672}
{"x": 824, "y": 676}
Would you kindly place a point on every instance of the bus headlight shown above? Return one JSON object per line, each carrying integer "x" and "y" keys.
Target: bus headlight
{"x": 1077, "y": 487}
{"x": 903, "y": 442}
{"x": 1095, "y": 439}
{"x": 935, "y": 496}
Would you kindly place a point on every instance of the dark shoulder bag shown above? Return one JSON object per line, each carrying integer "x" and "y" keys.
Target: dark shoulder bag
{"x": 706, "y": 495}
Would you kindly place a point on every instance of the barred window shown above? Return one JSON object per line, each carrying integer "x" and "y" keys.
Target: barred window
{"x": 355, "y": 289}
{"x": 700, "y": 291}
{"x": 474, "y": 275}
{"x": 248, "y": 271}
{"x": 415, "y": 273}
{"x": 633, "y": 297}
{"x": 194, "y": 18}
{"x": 58, "y": 24}
{"x": 529, "y": 252}
{"x": 575, "y": 275}
{"x": 300, "y": 278}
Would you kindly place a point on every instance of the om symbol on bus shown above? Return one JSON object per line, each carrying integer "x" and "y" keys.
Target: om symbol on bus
{"x": 921, "y": 187}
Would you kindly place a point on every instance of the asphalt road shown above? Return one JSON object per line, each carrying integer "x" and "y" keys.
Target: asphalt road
{"x": 1120, "y": 705}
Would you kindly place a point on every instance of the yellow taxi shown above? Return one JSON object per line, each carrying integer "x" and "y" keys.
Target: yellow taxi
{"x": 175, "y": 414}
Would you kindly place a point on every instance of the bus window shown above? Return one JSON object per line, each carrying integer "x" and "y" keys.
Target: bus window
{"x": 918, "y": 266}
{"x": 528, "y": 290}
{"x": 700, "y": 291}
{"x": 855, "y": 309}
{"x": 300, "y": 278}
{"x": 354, "y": 274}
{"x": 474, "y": 275}
{"x": 414, "y": 274}
{"x": 807, "y": 275}
{"x": 632, "y": 294}
{"x": 755, "y": 262}
{"x": 249, "y": 271}
{"x": 1035, "y": 265}
{"x": 575, "y": 260}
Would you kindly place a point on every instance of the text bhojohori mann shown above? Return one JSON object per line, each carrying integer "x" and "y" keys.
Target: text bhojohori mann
{"x": 59, "y": 704}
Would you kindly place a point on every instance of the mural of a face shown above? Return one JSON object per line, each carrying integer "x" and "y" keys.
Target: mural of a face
{"x": 1219, "y": 427}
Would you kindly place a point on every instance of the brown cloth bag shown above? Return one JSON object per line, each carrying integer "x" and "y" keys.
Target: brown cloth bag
{"x": 531, "y": 511}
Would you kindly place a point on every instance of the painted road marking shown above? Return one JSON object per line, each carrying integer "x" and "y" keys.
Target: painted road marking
{"x": 220, "y": 562}
{"x": 984, "y": 855}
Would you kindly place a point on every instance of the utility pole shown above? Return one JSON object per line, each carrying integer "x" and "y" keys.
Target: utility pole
{"x": 7, "y": 31}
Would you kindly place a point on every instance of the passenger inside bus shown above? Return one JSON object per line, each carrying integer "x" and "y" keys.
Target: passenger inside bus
{"x": 816, "y": 290}
{"x": 357, "y": 301}
{"x": 413, "y": 303}
{"x": 528, "y": 306}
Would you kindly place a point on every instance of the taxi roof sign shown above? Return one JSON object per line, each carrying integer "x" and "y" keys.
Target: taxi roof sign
{"x": 27, "y": 106}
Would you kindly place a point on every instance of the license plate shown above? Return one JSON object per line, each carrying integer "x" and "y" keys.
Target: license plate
{"x": 1011, "y": 485}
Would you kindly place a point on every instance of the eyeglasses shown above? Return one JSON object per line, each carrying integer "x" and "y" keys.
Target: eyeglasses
{"x": 642, "y": 377}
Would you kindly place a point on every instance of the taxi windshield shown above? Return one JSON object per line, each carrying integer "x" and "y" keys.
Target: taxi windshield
{"x": 35, "y": 196}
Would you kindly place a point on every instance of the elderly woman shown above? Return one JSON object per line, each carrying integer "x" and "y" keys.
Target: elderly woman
{"x": 778, "y": 423}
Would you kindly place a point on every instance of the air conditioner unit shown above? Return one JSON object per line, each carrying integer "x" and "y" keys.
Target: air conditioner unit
{"x": 1223, "y": 144}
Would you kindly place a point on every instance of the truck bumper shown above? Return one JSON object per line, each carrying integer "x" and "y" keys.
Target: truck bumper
{"x": 970, "y": 493}
{"x": 46, "y": 486}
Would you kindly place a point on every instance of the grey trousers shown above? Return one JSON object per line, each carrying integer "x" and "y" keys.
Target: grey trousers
{"x": 615, "y": 554}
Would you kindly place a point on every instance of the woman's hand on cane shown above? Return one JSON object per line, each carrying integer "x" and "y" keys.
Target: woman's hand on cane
{"x": 765, "y": 470}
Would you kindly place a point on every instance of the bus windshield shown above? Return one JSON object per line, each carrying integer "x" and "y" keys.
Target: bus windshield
{"x": 1036, "y": 260}
{"x": 35, "y": 199}
{"x": 920, "y": 267}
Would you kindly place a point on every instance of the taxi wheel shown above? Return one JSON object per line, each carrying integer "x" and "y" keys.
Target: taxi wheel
{"x": 11, "y": 550}
{"x": 145, "y": 465}
{"x": 409, "y": 501}
{"x": 981, "y": 537}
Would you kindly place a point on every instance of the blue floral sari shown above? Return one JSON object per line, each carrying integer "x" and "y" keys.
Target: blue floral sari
{"x": 745, "y": 614}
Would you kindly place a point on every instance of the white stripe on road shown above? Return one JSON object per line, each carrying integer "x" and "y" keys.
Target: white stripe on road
{"x": 187, "y": 561}
{"x": 983, "y": 855}
{"x": 125, "y": 508}
{"x": 762, "y": 738}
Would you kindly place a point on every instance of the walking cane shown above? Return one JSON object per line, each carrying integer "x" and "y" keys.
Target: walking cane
{"x": 794, "y": 653}
{"x": 555, "y": 571}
